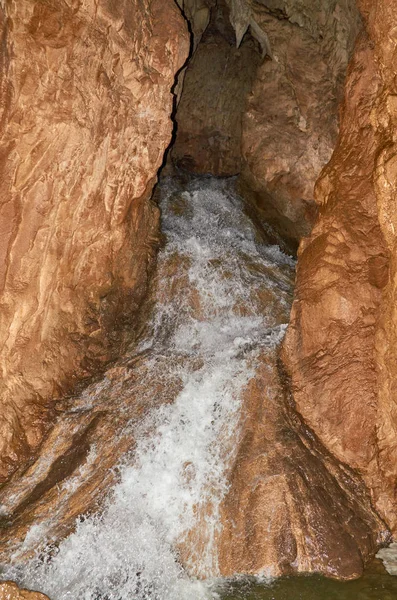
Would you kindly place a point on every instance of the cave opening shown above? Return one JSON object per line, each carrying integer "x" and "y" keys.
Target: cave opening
{"x": 258, "y": 99}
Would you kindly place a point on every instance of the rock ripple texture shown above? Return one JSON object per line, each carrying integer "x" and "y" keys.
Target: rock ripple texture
{"x": 340, "y": 349}
{"x": 10, "y": 591}
{"x": 219, "y": 475}
{"x": 85, "y": 118}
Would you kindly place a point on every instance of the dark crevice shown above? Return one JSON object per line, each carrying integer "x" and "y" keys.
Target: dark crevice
{"x": 174, "y": 93}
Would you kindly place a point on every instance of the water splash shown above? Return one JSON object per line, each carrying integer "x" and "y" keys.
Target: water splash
{"x": 221, "y": 296}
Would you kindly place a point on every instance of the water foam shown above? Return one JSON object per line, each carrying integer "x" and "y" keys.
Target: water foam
{"x": 207, "y": 330}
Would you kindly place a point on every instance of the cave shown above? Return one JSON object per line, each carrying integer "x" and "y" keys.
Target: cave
{"x": 197, "y": 294}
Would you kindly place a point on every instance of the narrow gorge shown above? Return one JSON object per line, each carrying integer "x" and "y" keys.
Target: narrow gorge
{"x": 197, "y": 300}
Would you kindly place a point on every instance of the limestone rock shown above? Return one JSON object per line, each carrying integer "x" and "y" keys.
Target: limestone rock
{"x": 197, "y": 13}
{"x": 86, "y": 102}
{"x": 340, "y": 346}
{"x": 273, "y": 118}
{"x": 217, "y": 82}
{"x": 291, "y": 507}
{"x": 290, "y": 124}
{"x": 10, "y": 591}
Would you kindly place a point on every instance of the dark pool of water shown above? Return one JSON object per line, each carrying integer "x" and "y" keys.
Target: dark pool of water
{"x": 376, "y": 584}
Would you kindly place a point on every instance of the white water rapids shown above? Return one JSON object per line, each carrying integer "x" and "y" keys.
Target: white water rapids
{"x": 210, "y": 323}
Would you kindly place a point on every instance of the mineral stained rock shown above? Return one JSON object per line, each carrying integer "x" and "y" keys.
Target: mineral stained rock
{"x": 340, "y": 349}
{"x": 260, "y": 98}
{"x": 10, "y": 591}
{"x": 290, "y": 123}
{"x": 85, "y": 119}
{"x": 217, "y": 82}
{"x": 291, "y": 507}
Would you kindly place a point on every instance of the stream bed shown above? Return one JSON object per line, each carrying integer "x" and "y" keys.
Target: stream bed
{"x": 219, "y": 303}
{"x": 376, "y": 584}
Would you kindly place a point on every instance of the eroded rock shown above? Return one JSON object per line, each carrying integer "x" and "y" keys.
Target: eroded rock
{"x": 86, "y": 102}
{"x": 340, "y": 346}
{"x": 10, "y": 591}
{"x": 291, "y": 120}
{"x": 261, "y": 98}
{"x": 217, "y": 82}
{"x": 291, "y": 508}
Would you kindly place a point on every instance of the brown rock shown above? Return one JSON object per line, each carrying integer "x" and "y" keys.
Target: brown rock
{"x": 290, "y": 125}
{"x": 291, "y": 507}
{"x": 10, "y": 591}
{"x": 273, "y": 118}
{"x": 340, "y": 346}
{"x": 76, "y": 465}
{"x": 86, "y": 102}
{"x": 217, "y": 82}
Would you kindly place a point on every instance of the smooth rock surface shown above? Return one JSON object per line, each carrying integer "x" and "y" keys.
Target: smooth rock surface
{"x": 291, "y": 508}
{"x": 86, "y": 102}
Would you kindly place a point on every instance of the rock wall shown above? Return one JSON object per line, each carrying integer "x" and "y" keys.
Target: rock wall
{"x": 217, "y": 82}
{"x": 261, "y": 97}
{"x": 340, "y": 345}
{"x": 291, "y": 507}
{"x": 290, "y": 124}
{"x": 85, "y": 119}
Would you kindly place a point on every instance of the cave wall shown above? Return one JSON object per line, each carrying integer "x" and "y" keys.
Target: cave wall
{"x": 340, "y": 345}
{"x": 291, "y": 506}
{"x": 85, "y": 119}
{"x": 218, "y": 79}
{"x": 10, "y": 591}
{"x": 290, "y": 124}
{"x": 260, "y": 98}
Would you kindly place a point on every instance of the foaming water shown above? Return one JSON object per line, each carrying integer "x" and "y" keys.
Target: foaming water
{"x": 221, "y": 294}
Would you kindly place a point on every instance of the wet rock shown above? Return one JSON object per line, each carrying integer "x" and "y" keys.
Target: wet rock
{"x": 291, "y": 508}
{"x": 340, "y": 346}
{"x": 216, "y": 85}
{"x": 286, "y": 504}
{"x": 10, "y": 591}
{"x": 86, "y": 102}
{"x": 261, "y": 96}
{"x": 290, "y": 123}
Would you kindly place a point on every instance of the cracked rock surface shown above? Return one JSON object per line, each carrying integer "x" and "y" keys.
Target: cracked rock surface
{"x": 260, "y": 98}
{"x": 290, "y": 124}
{"x": 85, "y": 119}
{"x": 340, "y": 348}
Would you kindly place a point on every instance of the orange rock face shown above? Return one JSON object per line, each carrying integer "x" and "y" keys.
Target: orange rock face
{"x": 288, "y": 504}
{"x": 10, "y": 591}
{"x": 86, "y": 103}
{"x": 290, "y": 124}
{"x": 340, "y": 346}
{"x": 291, "y": 508}
{"x": 269, "y": 108}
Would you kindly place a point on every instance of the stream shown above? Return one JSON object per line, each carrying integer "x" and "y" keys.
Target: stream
{"x": 220, "y": 298}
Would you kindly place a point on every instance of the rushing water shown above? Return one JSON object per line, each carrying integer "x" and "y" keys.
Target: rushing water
{"x": 221, "y": 296}
{"x": 208, "y": 327}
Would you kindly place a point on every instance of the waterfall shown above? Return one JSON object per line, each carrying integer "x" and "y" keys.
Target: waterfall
{"x": 219, "y": 291}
